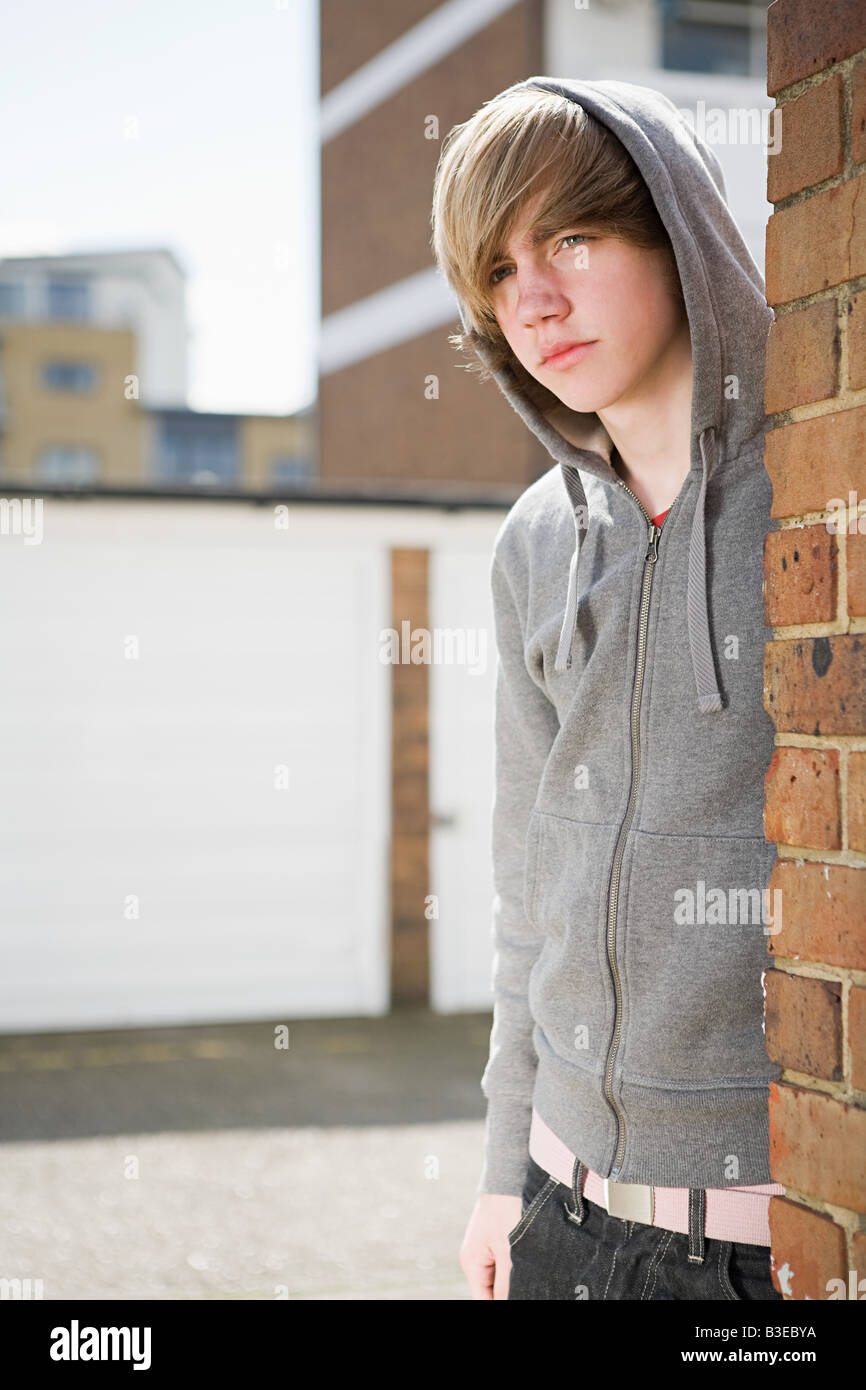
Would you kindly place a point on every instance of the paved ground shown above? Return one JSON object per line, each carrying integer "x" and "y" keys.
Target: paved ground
{"x": 206, "y": 1163}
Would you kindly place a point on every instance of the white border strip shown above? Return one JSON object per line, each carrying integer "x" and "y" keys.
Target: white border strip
{"x": 411, "y": 54}
{"x": 394, "y": 315}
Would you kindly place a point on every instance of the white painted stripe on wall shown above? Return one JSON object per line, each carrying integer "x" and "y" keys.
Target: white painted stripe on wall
{"x": 394, "y": 315}
{"x": 412, "y": 53}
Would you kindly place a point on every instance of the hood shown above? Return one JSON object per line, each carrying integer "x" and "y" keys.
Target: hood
{"x": 729, "y": 319}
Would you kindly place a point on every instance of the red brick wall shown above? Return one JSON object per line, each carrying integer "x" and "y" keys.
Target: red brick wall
{"x": 815, "y": 668}
{"x": 377, "y": 418}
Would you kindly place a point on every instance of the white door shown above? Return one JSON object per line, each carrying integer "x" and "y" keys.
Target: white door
{"x": 196, "y": 781}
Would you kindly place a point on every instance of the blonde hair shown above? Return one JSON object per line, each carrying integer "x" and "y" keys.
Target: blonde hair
{"x": 518, "y": 145}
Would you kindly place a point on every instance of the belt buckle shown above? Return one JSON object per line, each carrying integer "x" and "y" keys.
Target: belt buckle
{"x": 631, "y": 1201}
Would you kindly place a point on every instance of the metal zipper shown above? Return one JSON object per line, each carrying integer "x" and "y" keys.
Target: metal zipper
{"x": 650, "y": 558}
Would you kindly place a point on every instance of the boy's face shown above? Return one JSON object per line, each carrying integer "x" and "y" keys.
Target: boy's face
{"x": 580, "y": 287}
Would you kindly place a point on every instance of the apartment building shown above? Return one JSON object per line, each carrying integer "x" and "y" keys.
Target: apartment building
{"x": 93, "y": 385}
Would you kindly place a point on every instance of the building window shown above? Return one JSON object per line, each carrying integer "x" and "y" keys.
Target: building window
{"x": 67, "y": 463}
{"x": 719, "y": 36}
{"x": 68, "y": 376}
{"x": 197, "y": 449}
{"x": 11, "y": 300}
{"x": 296, "y": 469}
{"x": 68, "y": 299}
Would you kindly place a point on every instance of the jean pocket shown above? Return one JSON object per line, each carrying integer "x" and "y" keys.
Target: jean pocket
{"x": 724, "y": 1267}
{"x": 534, "y": 1198}
{"x": 744, "y": 1273}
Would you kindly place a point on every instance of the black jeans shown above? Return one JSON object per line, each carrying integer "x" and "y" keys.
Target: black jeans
{"x": 605, "y": 1257}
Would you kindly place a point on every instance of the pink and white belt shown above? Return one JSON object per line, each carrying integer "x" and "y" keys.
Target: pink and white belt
{"x": 732, "y": 1213}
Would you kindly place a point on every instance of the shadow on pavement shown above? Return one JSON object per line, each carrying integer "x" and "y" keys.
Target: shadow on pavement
{"x": 411, "y": 1066}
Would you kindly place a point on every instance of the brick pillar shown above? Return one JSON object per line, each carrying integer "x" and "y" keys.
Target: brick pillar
{"x": 815, "y": 668}
{"x": 410, "y": 799}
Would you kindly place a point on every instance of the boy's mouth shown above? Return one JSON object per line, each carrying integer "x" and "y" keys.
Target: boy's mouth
{"x": 567, "y": 355}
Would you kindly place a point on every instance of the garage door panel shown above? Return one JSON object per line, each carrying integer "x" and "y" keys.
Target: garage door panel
{"x": 156, "y": 776}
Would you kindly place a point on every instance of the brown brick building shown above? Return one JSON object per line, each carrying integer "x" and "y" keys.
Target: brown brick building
{"x": 392, "y": 88}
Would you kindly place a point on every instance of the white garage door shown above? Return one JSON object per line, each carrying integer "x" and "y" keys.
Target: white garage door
{"x": 198, "y": 831}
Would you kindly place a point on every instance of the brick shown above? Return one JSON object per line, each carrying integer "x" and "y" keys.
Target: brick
{"x": 816, "y": 685}
{"x": 802, "y": 798}
{"x": 857, "y": 1037}
{"x": 856, "y": 342}
{"x": 805, "y": 36}
{"x": 410, "y": 799}
{"x": 857, "y": 800}
{"x": 858, "y": 112}
{"x": 823, "y": 912}
{"x": 856, "y": 545}
{"x": 803, "y": 1020}
{"x": 800, "y": 574}
{"x": 803, "y": 357}
{"x": 811, "y": 463}
{"x": 818, "y": 243}
{"x": 409, "y": 875}
{"x": 808, "y": 1250}
{"x": 410, "y": 973}
{"x": 811, "y": 145}
{"x": 463, "y": 442}
{"x": 818, "y": 1145}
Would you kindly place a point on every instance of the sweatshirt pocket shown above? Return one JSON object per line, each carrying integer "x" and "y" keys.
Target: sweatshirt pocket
{"x": 570, "y": 991}
{"x": 692, "y": 935}
{"x": 532, "y": 852}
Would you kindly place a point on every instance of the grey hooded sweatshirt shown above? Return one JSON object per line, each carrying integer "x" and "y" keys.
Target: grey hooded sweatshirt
{"x": 632, "y": 909}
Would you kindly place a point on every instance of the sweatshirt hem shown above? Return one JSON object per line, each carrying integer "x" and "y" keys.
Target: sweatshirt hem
{"x": 713, "y": 1138}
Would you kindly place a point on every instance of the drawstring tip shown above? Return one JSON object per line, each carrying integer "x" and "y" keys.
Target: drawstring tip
{"x": 710, "y": 703}
{"x": 569, "y": 621}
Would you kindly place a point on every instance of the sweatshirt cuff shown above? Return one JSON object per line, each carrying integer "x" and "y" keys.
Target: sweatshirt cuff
{"x": 506, "y": 1146}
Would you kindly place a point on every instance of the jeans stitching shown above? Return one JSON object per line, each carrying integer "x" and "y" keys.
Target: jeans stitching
{"x": 724, "y": 1280}
{"x": 532, "y": 1210}
{"x": 657, "y": 1258}
{"x": 665, "y": 1248}
{"x": 610, "y": 1276}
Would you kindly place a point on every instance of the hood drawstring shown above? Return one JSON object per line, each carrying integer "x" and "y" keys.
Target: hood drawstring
{"x": 709, "y": 698}
{"x": 569, "y": 622}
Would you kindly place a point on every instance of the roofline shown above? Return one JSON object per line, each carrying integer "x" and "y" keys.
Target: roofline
{"x": 491, "y": 500}
{"x": 165, "y": 251}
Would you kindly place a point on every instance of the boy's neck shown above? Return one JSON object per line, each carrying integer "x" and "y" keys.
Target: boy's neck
{"x": 656, "y": 494}
{"x": 651, "y": 436}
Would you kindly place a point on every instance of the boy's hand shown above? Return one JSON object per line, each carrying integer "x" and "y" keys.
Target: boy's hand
{"x": 485, "y": 1255}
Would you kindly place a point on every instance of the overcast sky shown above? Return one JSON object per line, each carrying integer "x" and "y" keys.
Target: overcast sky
{"x": 224, "y": 169}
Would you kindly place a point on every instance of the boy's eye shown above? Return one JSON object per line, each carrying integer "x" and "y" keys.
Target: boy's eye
{"x": 498, "y": 274}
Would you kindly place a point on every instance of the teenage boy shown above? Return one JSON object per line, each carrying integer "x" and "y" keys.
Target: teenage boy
{"x": 604, "y": 285}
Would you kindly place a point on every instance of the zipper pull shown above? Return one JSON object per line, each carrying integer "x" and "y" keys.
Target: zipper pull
{"x": 652, "y": 552}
